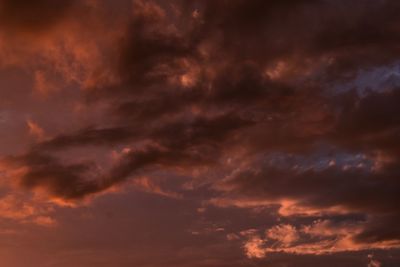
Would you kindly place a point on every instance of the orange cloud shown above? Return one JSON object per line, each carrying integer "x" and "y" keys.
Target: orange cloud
{"x": 35, "y": 130}
{"x": 23, "y": 209}
{"x": 327, "y": 239}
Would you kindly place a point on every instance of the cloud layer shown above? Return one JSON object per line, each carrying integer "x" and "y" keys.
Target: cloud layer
{"x": 254, "y": 106}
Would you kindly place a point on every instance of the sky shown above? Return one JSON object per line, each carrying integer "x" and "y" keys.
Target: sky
{"x": 204, "y": 133}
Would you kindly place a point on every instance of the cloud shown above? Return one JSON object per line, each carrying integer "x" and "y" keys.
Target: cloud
{"x": 249, "y": 99}
{"x": 285, "y": 234}
{"x": 21, "y": 209}
{"x": 35, "y": 130}
{"x": 36, "y": 16}
{"x": 317, "y": 192}
{"x": 372, "y": 262}
{"x": 147, "y": 185}
{"x": 309, "y": 240}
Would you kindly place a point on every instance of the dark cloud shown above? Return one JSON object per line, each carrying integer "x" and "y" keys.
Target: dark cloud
{"x": 356, "y": 189}
{"x": 88, "y": 136}
{"x": 221, "y": 84}
{"x": 183, "y": 145}
{"x": 369, "y": 122}
{"x": 59, "y": 179}
{"x": 33, "y": 15}
{"x": 380, "y": 228}
{"x": 235, "y": 99}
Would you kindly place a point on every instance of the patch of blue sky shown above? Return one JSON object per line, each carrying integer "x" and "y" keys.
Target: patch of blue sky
{"x": 379, "y": 79}
{"x": 319, "y": 161}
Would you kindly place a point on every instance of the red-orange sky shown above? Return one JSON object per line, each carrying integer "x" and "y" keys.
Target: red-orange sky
{"x": 204, "y": 133}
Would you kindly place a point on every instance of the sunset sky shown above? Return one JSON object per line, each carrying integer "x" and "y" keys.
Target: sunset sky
{"x": 203, "y": 133}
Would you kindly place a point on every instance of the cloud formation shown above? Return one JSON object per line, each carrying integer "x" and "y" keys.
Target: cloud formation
{"x": 261, "y": 104}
